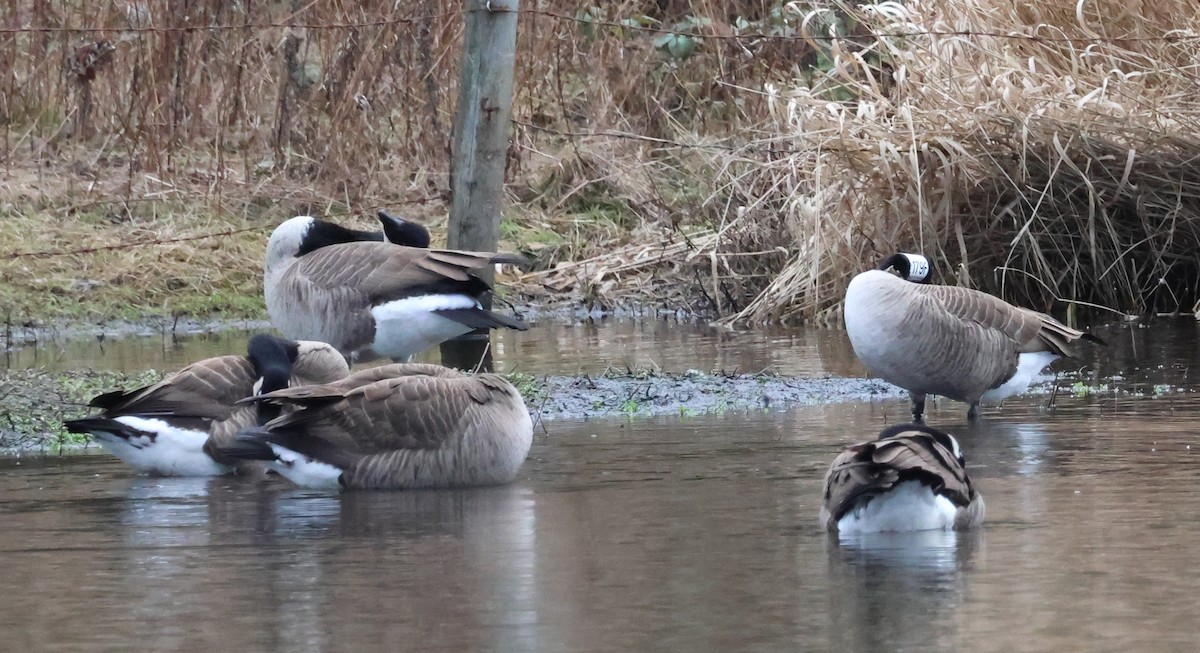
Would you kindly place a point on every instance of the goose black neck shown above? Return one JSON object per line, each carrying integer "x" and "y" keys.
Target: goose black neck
{"x": 273, "y": 359}
{"x": 902, "y": 264}
{"x": 323, "y": 233}
{"x": 897, "y": 262}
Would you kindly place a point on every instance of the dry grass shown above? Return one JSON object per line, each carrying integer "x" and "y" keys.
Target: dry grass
{"x": 1064, "y": 166}
{"x": 774, "y": 168}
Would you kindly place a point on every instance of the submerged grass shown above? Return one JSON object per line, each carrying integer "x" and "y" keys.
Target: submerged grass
{"x": 34, "y": 403}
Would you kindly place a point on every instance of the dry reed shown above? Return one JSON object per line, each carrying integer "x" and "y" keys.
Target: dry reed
{"x": 1040, "y": 150}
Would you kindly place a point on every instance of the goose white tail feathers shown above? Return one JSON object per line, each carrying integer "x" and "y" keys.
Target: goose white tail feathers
{"x": 959, "y": 343}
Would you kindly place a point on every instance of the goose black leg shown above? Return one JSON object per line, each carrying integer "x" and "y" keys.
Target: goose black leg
{"x": 973, "y": 412}
{"x": 918, "y": 406}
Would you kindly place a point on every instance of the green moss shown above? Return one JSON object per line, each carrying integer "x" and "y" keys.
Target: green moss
{"x": 34, "y": 403}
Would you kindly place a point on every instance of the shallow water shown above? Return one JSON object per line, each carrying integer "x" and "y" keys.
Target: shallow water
{"x": 681, "y": 533}
{"x": 551, "y": 347}
{"x": 666, "y": 534}
{"x": 1157, "y": 353}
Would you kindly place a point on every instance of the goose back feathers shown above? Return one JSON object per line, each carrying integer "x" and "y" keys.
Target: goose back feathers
{"x": 174, "y": 427}
{"x": 396, "y": 426}
{"x": 912, "y": 477}
{"x": 955, "y": 342}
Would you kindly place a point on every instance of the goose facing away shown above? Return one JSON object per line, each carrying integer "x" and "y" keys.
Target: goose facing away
{"x": 398, "y": 426}
{"x": 911, "y": 478}
{"x": 174, "y": 427}
{"x": 955, "y": 342}
{"x": 374, "y": 299}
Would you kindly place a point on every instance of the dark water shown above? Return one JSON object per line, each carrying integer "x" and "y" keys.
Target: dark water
{"x": 549, "y": 348}
{"x": 680, "y": 534}
{"x": 1159, "y": 353}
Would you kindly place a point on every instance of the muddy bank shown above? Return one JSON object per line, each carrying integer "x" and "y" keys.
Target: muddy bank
{"x": 34, "y": 402}
{"x": 691, "y": 393}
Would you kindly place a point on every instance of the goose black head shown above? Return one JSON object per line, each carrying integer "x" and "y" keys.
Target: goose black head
{"x": 399, "y": 231}
{"x": 273, "y": 359}
{"x": 911, "y": 267}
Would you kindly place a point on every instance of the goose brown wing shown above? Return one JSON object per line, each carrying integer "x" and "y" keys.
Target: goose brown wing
{"x": 866, "y": 470}
{"x": 1031, "y": 330}
{"x": 207, "y": 389}
{"x": 968, "y": 336}
{"x": 312, "y": 394}
{"x": 1018, "y": 324}
{"x": 415, "y": 407}
{"x": 416, "y": 412}
{"x": 384, "y": 272}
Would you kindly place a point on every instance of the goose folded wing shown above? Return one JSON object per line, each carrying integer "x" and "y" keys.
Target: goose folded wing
{"x": 992, "y": 313}
{"x": 207, "y": 390}
{"x": 853, "y": 478}
{"x": 415, "y": 412}
{"x": 920, "y": 457}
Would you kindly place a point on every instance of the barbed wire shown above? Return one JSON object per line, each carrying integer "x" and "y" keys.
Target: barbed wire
{"x": 588, "y": 20}
{"x": 225, "y": 27}
{"x": 136, "y": 243}
{"x": 144, "y": 242}
{"x": 593, "y": 21}
{"x": 626, "y": 136}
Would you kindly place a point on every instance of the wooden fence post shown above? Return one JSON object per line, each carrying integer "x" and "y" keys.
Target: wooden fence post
{"x": 479, "y": 152}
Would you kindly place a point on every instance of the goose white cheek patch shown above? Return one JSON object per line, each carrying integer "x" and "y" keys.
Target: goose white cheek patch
{"x": 918, "y": 267}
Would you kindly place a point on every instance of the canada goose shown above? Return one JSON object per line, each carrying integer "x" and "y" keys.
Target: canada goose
{"x": 911, "y": 478}
{"x": 374, "y": 299}
{"x": 955, "y": 342}
{"x": 397, "y": 426}
{"x": 172, "y": 428}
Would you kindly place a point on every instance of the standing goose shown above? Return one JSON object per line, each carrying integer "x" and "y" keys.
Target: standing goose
{"x": 911, "y": 478}
{"x": 955, "y": 342}
{"x": 398, "y": 426}
{"x": 374, "y": 299}
{"x": 174, "y": 427}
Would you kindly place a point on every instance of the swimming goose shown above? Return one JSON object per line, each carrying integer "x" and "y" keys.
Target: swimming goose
{"x": 374, "y": 299}
{"x": 398, "y": 426}
{"x": 173, "y": 427}
{"x": 911, "y": 478}
{"x": 955, "y": 342}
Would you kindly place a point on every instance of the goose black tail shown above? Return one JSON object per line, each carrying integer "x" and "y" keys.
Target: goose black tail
{"x": 1091, "y": 338}
{"x": 93, "y": 425}
{"x": 250, "y": 444}
{"x": 478, "y": 318}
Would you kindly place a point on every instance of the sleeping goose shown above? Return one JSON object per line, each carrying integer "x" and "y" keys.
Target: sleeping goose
{"x": 373, "y": 299}
{"x": 173, "y": 427}
{"x": 955, "y": 342}
{"x": 398, "y": 426}
{"x": 911, "y": 478}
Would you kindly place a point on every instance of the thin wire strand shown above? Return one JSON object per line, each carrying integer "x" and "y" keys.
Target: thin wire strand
{"x": 596, "y": 22}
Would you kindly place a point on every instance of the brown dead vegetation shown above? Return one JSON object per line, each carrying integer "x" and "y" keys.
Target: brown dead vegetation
{"x": 1041, "y": 150}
